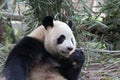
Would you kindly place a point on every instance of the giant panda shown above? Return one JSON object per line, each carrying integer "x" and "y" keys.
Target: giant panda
{"x": 47, "y": 53}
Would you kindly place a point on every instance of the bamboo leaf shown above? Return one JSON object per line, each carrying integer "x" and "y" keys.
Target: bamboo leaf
{"x": 3, "y": 4}
{"x": 101, "y": 24}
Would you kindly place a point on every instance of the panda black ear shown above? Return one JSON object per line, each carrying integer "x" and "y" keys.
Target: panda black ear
{"x": 47, "y": 21}
{"x": 70, "y": 24}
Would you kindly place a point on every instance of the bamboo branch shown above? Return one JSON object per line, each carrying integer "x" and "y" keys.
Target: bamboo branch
{"x": 13, "y": 16}
{"x": 100, "y": 50}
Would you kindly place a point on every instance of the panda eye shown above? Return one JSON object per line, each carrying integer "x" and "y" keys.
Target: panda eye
{"x": 72, "y": 40}
{"x": 60, "y": 39}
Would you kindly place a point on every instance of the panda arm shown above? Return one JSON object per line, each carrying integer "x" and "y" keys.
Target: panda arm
{"x": 72, "y": 66}
{"x": 16, "y": 69}
{"x": 19, "y": 61}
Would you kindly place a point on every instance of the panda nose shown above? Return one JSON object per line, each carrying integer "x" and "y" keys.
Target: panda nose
{"x": 70, "y": 48}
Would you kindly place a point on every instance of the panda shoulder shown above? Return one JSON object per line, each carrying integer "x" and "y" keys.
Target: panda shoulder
{"x": 38, "y": 33}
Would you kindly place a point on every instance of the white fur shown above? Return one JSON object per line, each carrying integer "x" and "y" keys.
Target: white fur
{"x": 38, "y": 33}
{"x": 50, "y": 36}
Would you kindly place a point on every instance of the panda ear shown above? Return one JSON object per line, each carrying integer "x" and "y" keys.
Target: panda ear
{"x": 70, "y": 24}
{"x": 47, "y": 21}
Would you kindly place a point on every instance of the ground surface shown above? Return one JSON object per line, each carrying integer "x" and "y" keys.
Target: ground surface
{"x": 106, "y": 71}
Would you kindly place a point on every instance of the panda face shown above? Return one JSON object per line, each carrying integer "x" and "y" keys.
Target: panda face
{"x": 59, "y": 39}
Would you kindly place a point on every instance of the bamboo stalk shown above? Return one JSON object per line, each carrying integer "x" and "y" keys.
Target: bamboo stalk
{"x": 100, "y": 50}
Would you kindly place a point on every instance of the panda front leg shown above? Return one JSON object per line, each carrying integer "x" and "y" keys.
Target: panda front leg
{"x": 71, "y": 67}
{"x": 16, "y": 69}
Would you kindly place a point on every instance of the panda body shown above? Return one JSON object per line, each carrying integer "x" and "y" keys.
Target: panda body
{"x": 47, "y": 53}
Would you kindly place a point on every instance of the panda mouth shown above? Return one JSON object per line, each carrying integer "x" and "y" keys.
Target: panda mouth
{"x": 64, "y": 52}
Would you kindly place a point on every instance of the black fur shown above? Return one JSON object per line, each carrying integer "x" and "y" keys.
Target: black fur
{"x": 19, "y": 61}
{"x": 70, "y": 24}
{"x": 68, "y": 69}
{"x": 18, "y": 64}
{"x": 47, "y": 21}
{"x": 61, "y": 39}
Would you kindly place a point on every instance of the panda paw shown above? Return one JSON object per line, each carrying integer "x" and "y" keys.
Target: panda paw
{"x": 77, "y": 58}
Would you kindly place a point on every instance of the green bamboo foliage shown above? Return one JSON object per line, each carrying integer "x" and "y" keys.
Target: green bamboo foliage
{"x": 112, "y": 10}
{"x": 59, "y": 9}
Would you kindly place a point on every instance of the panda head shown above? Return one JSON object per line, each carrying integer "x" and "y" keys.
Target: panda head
{"x": 58, "y": 37}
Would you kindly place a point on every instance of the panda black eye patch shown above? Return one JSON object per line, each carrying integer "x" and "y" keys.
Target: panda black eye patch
{"x": 60, "y": 39}
{"x": 72, "y": 40}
